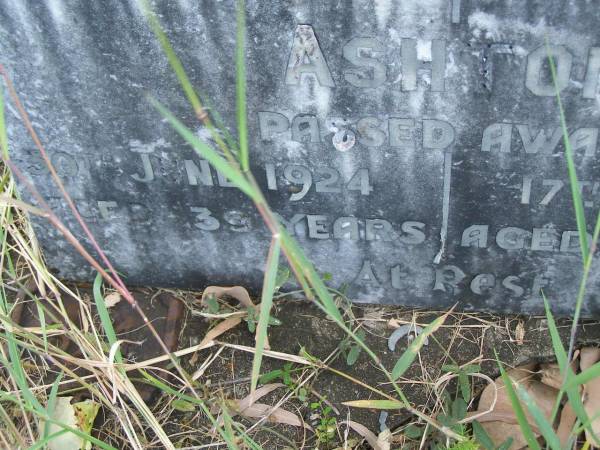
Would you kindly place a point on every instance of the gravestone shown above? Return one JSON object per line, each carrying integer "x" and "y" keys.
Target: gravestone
{"x": 412, "y": 147}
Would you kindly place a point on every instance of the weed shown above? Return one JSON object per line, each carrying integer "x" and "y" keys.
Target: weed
{"x": 324, "y": 422}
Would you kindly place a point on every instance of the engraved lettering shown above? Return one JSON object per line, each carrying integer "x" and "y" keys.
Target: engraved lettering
{"x": 413, "y": 230}
{"x": 435, "y": 62}
{"x": 401, "y": 132}
{"x": 455, "y": 11}
{"x": 317, "y": 226}
{"x": 497, "y": 138}
{"x": 373, "y": 72}
{"x": 366, "y": 275}
{"x": 569, "y": 242}
{"x": 544, "y": 239}
{"x": 272, "y": 123}
{"x": 370, "y": 133}
{"x": 346, "y": 228}
{"x": 238, "y": 220}
{"x": 584, "y": 140}
{"x": 538, "y": 79}
{"x": 475, "y": 236}
{"x": 590, "y": 83}
{"x": 526, "y": 190}
{"x": 378, "y": 229}
{"x": 510, "y": 283}
{"x": 306, "y": 58}
{"x": 447, "y": 279}
{"x": 545, "y": 141}
{"x": 399, "y": 276}
{"x": 305, "y": 128}
{"x": 555, "y": 186}
{"x": 290, "y": 225}
{"x": 204, "y": 219}
{"x": 271, "y": 180}
{"x": 360, "y": 182}
{"x": 297, "y": 174}
{"x": 437, "y": 134}
{"x": 512, "y": 238}
{"x": 147, "y": 166}
{"x": 539, "y": 282}
{"x": 482, "y": 283}
{"x": 195, "y": 174}
{"x": 331, "y": 181}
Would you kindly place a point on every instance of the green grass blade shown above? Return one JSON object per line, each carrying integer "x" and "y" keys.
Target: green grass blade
{"x": 52, "y": 401}
{"x": 15, "y": 370}
{"x": 557, "y": 345}
{"x": 586, "y": 376}
{"x": 518, "y": 409}
{"x": 565, "y": 369}
{"x": 207, "y": 152}
{"x": 228, "y": 434}
{"x": 42, "y": 318}
{"x": 306, "y": 268}
{"x": 573, "y": 181}
{"x": 240, "y": 85}
{"x": 411, "y": 352}
{"x": 266, "y": 303}
{"x": 537, "y": 414}
{"x": 219, "y": 123}
{"x": 105, "y": 316}
{"x": 482, "y": 437}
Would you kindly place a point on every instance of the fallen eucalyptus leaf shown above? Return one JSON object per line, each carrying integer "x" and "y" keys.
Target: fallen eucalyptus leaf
{"x": 238, "y": 292}
{"x": 279, "y": 415}
{"x": 501, "y": 423}
{"x": 551, "y": 375}
{"x": 366, "y": 433}
{"x": 258, "y": 394}
{"x": 219, "y": 329}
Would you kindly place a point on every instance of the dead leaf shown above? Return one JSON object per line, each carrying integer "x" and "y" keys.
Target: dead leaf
{"x": 112, "y": 299}
{"x": 247, "y": 408}
{"x": 279, "y": 415}
{"x": 591, "y": 390}
{"x": 565, "y": 426}
{"x": 258, "y": 394}
{"x": 219, "y": 329}
{"x": 520, "y": 333}
{"x": 551, "y": 375}
{"x": 501, "y": 423}
{"x": 366, "y": 433}
{"x": 550, "y": 372}
{"x": 238, "y": 292}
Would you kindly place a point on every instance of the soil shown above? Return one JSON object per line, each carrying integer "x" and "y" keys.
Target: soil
{"x": 464, "y": 338}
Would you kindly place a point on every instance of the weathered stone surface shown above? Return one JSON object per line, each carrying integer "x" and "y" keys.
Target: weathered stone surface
{"x": 414, "y": 148}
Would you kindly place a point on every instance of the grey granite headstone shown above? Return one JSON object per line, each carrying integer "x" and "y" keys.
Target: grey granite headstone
{"x": 413, "y": 147}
